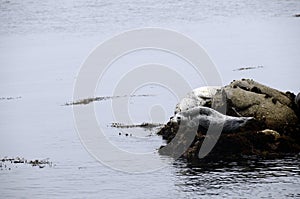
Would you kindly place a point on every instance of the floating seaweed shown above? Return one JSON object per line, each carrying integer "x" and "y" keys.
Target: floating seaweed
{"x": 10, "y": 98}
{"x": 142, "y": 125}
{"x": 93, "y": 99}
{"x": 6, "y": 163}
{"x": 248, "y": 68}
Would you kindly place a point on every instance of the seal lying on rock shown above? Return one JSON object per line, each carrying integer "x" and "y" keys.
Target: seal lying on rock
{"x": 273, "y": 110}
{"x": 198, "y": 97}
{"x": 297, "y": 101}
{"x": 205, "y": 117}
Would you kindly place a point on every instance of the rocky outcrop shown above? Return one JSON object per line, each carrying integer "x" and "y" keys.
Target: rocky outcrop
{"x": 275, "y": 109}
{"x": 275, "y": 132}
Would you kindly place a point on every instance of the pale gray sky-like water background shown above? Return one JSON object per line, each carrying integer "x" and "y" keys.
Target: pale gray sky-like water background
{"x": 44, "y": 43}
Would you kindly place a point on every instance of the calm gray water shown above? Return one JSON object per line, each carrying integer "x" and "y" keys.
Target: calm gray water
{"x": 42, "y": 45}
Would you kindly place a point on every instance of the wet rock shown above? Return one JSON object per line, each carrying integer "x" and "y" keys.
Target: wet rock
{"x": 274, "y": 132}
{"x": 273, "y": 108}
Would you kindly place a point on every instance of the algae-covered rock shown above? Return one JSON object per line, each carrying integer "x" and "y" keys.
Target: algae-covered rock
{"x": 275, "y": 109}
{"x": 275, "y": 130}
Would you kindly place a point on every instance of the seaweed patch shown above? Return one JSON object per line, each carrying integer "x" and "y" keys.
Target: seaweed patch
{"x": 142, "y": 125}
{"x": 93, "y": 99}
{"x": 248, "y": 68}
{"x": 7, "y": 163}
{"x": 10, "y": 98}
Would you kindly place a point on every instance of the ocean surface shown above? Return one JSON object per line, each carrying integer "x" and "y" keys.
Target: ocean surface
{"x": 42, "y": 47}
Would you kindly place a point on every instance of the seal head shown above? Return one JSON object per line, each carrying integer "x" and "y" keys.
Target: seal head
{"x": 207, "y": 118}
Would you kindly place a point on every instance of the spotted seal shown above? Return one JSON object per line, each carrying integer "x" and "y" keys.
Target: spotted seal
{"x": 197, "y": 97}
{"x": 206, "y": 117}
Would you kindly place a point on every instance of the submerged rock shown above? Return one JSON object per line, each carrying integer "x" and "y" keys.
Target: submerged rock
{"x": 275, "y": 130}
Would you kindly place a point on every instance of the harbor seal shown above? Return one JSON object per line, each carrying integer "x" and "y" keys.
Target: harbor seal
{"x": 207, "y": 117}
{"x": 197, "y": 97}
{"x": 297, "y": 101}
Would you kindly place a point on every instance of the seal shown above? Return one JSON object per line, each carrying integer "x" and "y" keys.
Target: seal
{"x": 297, "y": 101}
{"x": 198, "y": 97}
{"x": 208, "y": 117}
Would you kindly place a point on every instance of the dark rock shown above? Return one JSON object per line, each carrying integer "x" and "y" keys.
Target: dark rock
{"x": 273, "y": 110}
{"x": 248, "y": 98}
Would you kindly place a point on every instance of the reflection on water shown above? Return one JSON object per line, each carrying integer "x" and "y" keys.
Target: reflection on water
{"x": 249, "y": 178}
